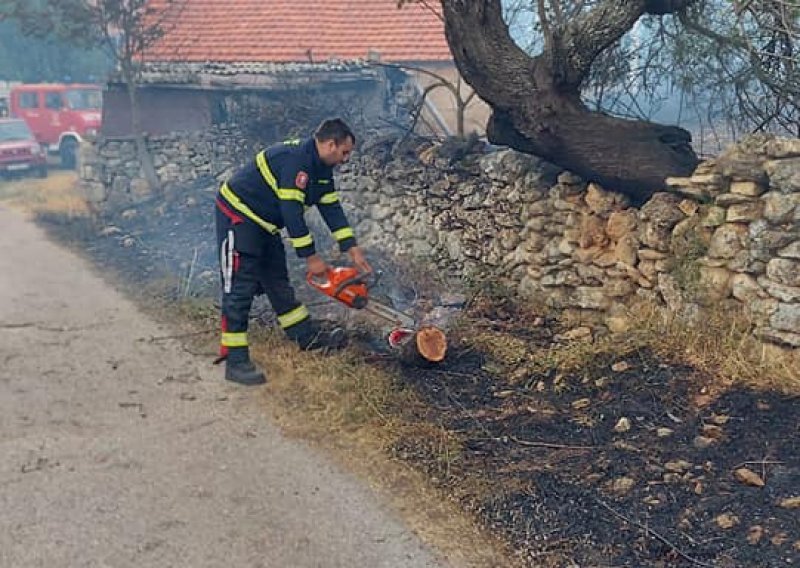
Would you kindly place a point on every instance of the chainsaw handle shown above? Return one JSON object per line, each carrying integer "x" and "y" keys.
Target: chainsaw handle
{"x": 370, "y": 279}
{"x": 319, "y": 281}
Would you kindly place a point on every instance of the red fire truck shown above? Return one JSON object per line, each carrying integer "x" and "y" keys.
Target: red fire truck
{"x": 60, "y": 115}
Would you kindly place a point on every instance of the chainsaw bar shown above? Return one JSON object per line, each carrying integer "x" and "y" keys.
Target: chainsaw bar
{"x": 395, "y": 316}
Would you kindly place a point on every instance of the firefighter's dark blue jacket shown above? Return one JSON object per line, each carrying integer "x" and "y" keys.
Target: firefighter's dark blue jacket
{"x": 276, "y": 188}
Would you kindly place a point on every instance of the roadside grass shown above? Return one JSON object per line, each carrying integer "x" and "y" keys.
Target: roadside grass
{"x": 359, "y": 415}
{"x": 719, "y": 342}
{"x": 55, "y": 194}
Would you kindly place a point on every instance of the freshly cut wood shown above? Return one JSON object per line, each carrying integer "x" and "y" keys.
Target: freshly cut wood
{"x": 427, "y": 345}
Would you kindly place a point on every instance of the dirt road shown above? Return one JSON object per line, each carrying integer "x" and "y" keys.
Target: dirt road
{"x": 120, "y": 451}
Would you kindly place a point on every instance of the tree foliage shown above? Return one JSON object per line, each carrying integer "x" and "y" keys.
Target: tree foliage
{"x": 751, "y": 76}
{"x": 32, "y": 59}
{"x": 124, "y": 28}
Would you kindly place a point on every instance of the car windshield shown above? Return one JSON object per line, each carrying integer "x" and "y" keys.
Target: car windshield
{"x": 16, "y": 130}
{"x": 83, "y": 99}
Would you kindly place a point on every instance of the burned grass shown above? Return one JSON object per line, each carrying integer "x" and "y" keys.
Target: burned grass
{"x": 627, "y": 460}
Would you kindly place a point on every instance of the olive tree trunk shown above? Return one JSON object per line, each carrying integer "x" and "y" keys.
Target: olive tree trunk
{"x": 536, "y": 100}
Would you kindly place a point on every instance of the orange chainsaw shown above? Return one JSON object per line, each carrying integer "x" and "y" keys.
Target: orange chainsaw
{"x": 351, "y": 287}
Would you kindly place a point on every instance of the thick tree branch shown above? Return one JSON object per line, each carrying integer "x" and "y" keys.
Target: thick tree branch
{"x": 544, "y": 21}
{"x": 589, "y": 34}
{"x": 477, "y": 33}
{"x": 559, "y": 13}
{"x": 536, "y": 101}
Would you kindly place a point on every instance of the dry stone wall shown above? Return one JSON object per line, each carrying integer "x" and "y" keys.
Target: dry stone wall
{"x": 751, "y": 222}
{"x": 112, "y": 177}
{"x": 729, "y": 233}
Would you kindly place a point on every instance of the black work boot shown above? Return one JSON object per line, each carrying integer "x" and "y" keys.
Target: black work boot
{"x": 313, "y": 337}
{"x": 239, "y": 369}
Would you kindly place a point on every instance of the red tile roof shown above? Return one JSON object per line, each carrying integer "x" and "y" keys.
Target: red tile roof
{"x": 288, "y": 30}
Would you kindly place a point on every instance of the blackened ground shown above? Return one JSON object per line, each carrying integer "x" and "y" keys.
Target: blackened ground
{"x": 538, "y": 458}
{"x": 535, "y": 454}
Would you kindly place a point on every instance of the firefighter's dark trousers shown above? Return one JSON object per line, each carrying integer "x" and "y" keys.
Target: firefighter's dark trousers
{"x": 252, "y": 262}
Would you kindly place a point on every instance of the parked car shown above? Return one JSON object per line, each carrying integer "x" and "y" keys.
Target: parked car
{"x": 60, "y": 115}
{"x": 19, "y": 150}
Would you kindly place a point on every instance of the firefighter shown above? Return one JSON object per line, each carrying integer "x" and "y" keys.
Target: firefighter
{"x": 270, "y": 193}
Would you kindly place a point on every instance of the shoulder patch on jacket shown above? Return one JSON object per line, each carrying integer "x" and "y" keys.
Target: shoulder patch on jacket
{"x": 301, "y": 181}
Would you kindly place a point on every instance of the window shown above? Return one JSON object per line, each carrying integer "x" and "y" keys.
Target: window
{"x": 53, "y": 101}
{"x": 14, "y": 130}
{"x": 84, "y": 99}
{"x": 28, "y": 100}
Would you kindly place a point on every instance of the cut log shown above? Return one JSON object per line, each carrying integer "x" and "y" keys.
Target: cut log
{"x": 428, "y": 345}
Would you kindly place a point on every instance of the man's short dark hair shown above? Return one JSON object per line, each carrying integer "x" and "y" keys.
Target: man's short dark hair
{"x": 334, "y": 129}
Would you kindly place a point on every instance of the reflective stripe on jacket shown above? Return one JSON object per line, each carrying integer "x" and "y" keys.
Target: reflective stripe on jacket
{"x": 276, "y": 187}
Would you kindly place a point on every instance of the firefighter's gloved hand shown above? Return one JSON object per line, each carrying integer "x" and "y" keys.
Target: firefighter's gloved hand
{"x": 316, "y": 265}
{"x": 359, "y": 261}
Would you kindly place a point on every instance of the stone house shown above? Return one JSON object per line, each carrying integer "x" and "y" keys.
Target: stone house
{"x": 363, "y": 57}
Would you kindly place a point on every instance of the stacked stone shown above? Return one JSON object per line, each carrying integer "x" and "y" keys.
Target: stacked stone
{"x": 551, "y": 236}
{"x": 111, "y": 174}
{"x": 582, "y": 249}
{"x": 754, "y": 247}
{"x": 460, "y": 217}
